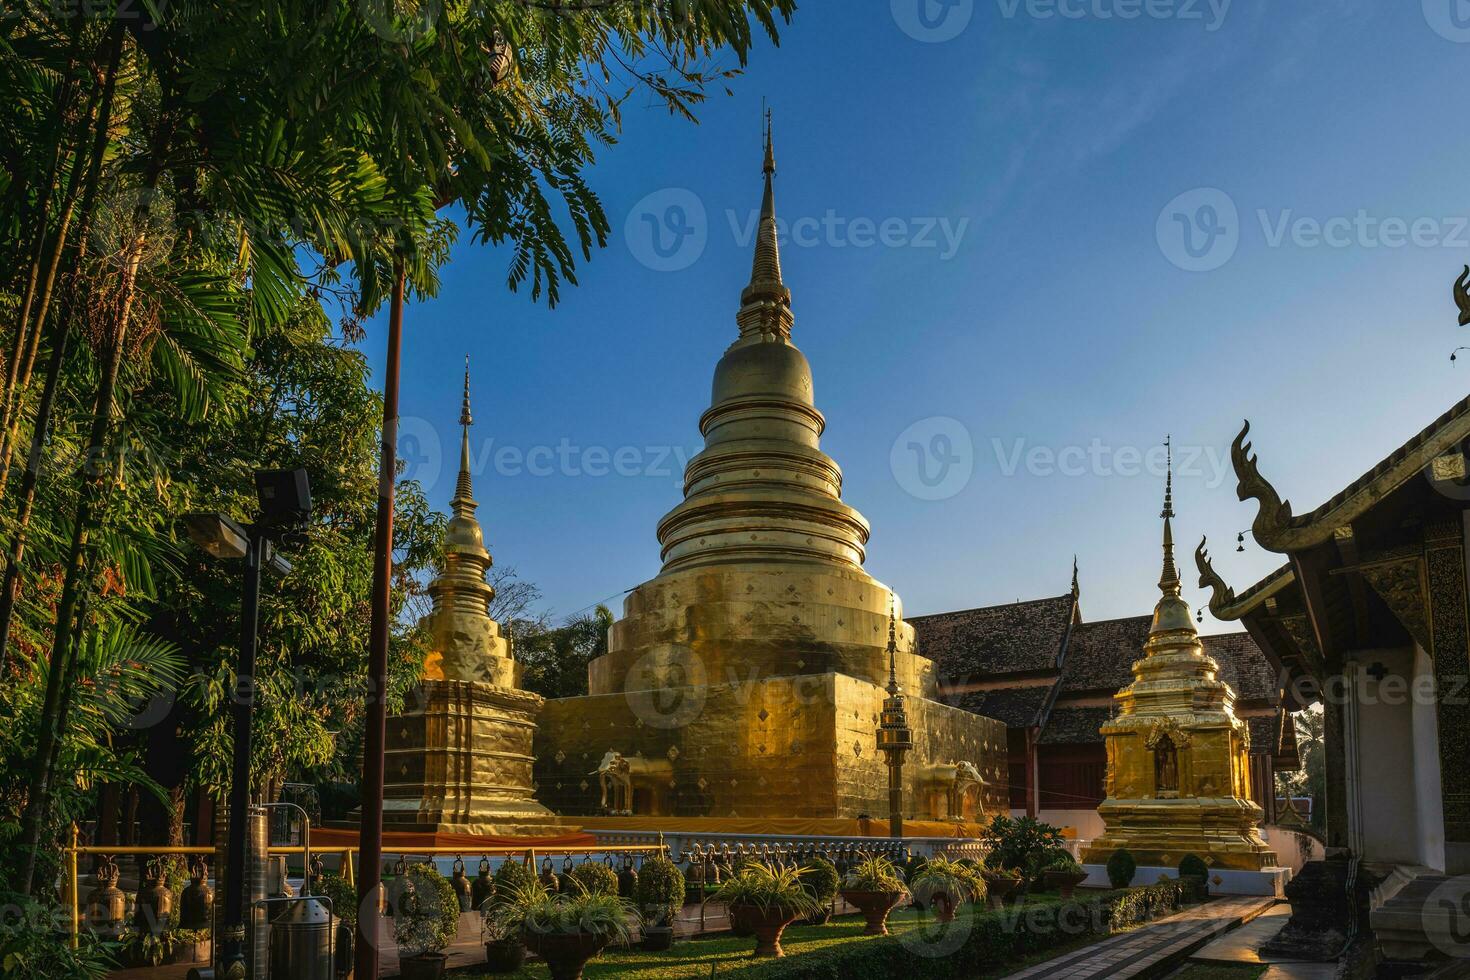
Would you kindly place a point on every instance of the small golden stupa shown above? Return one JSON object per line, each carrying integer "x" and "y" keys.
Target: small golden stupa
{"x": 1178, "y": 777}
{"x": 459, "y": 756}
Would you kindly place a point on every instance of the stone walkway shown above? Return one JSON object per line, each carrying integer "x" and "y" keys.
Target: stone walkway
{"x": 1243, "y": 947}
{"x": 1152, "y": 949}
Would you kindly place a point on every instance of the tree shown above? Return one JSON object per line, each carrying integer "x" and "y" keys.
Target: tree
{"x": 555, "y": 660}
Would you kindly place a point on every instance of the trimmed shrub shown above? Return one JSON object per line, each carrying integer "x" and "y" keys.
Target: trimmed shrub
{"x": 427, "y": 916}
{"x": 659, "y": 893}
{"x": 1121, "y": 868}
{"x": 821, "y": 877}
{"x": 510, "y": 878}
{"x": 991, "y": 938}
{"x": 598, "y": 879}
{"x": 1194, "y": 866}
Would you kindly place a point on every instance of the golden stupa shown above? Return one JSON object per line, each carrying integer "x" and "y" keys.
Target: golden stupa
{"x": 1178, "y": 779}
{"x": 747, "y": 678}
{"x": 459, "y": 756}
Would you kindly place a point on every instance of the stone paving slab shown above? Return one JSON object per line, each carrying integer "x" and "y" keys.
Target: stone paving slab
{"x": 1152, "y": 949}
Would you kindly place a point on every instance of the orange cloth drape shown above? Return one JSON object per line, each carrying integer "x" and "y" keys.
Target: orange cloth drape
{"x": 341, "y": 838}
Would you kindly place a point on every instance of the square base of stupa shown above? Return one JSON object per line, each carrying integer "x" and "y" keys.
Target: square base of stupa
{"x": 1268, "y": 882}
{"x": 458, "y": 761}
{"x": 1161, "y": 832}
{"x": 778, "y": 748}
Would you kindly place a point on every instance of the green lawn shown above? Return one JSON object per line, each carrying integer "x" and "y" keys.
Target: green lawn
{"x": 1200, "y": 971}
{"x": 724, "y": 953}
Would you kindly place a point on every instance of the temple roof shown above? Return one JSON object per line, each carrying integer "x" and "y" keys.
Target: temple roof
{"x": 1074, "y": 726}
{"x": 1023, "y": 637}
{"x": 1244, "y": 666}
{"x": 1018, "y": 707}
{"x": 1100, "y": 655}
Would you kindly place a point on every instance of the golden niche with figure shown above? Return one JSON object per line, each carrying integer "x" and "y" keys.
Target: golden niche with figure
{"x": 1178, "y": 777}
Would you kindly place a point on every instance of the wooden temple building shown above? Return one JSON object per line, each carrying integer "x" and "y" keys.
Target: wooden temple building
{"x": 1368, "y": 618}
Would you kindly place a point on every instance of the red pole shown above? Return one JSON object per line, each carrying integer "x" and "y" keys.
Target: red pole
{"x": 370, "y": 834}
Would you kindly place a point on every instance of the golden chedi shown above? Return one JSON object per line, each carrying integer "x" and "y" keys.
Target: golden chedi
{"x": 747, "y": 678}
{"x": 1178, "y": 778}
{"x": 459, "y": 756}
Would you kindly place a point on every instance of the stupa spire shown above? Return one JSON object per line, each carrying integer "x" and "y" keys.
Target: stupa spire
{"x": 1169, "y": 580}
{"x": 893, "y": 689}
{"x": 765, "y": 305}
{"x": 463, "y": 502}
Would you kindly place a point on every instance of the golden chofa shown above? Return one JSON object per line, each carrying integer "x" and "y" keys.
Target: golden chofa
{"x": 1178, "y": 778}
{"x": 748, "y": 677}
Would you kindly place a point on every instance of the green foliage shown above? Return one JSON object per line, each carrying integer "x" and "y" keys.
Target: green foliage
{"x": 874, "y": 874}
{"x": 426, "y": 917}
{"x": 32, "y": 947}
{"x": 984, "y": 941}
{"x": 762, "y": 886}
{"x": 532, "y": 909}
{"x": 659, "y": 893}
{"x": 821, "y": 878}
{"x": 598, "y": 879}
{"x": 1194, "y": 866}
{"x": 1121, "y": 868}
{"x": 1020, "y": 842}
{"x": 941, "y": 876}
{"x": 343, "y": 896}
{"x": 554, "y": 660}
{"x": 1060, "y": 860}
{"x": 511, "y": 877}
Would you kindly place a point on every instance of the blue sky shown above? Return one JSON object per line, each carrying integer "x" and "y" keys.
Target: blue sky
{"x": 994, "y": 252}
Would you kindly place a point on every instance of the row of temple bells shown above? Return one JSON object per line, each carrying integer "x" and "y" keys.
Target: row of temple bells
{"x": 152, "y": 907}
{"x": 564, "y": 883}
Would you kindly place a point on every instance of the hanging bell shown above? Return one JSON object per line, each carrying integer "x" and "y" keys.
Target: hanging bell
{"x": 548, "y": 876}
{"x": 1240, "y": 541}
{"x": 106, "y": 903}
{"x": 196, "y": 904}
{"x": 154, "y": 907}
{"x": 482, "y": 889}
{"x": 397, "y": 886}
{"x": 627, "y": 879}
{"x": 316, "y": 881}
{"x": 461, "y": 884}
{"x": 564, "y": 883}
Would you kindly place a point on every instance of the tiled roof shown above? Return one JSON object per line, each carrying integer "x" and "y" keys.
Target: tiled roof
{"x": 1023, "y": 637}
{"x": 1100, "y": 655}
{"x": 1264, "y": 730}
{"x": 1074, "y": 725}
{"x": 1016, "y": 706}
{"x": 1243, "y": 666}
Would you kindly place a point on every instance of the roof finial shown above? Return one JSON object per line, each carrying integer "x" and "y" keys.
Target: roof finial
{"x": 770, "y": 167}
{"x": 1169, "y": 581}
{"x": 1075, "y": 589}
{"x": 465, "y": 418}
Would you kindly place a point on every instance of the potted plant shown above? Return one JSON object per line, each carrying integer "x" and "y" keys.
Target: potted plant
{"x": 766, "y": 900}
{"x": 1001, "y": 884}
{"x": 874, "y": 887}
{"x": 144, "y": 947}
{"x": 822, "y": 879}
{"x": 659, "y": 894}
{"x": 567, "y": 929}
{"x": 943, "y": 886}
{"x": 1062, "y": 872}
{"x": 189, "y": 946}
{"x": 504, "y": 951}
{"x": 425, "y": 922}
{"x": 344, "y": 906}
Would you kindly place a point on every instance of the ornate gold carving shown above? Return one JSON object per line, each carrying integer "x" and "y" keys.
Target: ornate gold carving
{"x": 1400, "y": 585}
{"x": 1221, "y": 595}
{"x": 1273, "y": 513}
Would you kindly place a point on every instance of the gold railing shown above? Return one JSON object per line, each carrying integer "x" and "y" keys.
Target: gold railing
{"x": 347, "y": 855}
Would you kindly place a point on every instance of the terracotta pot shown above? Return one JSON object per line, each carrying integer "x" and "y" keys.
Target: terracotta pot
{"x": 425, "y": 966}
{"x": 875, "y": 907}
{"x": 942, "y": 904}
{"x": 658, "y": 939}
{"x": 504, "y": 956}
{"x": 819, "y": 918}
{"x": 566, "y": 953}
{"x": 1064, "y": 881}
{"x": 765, "y": 924}
{"x": 999, "y": 888}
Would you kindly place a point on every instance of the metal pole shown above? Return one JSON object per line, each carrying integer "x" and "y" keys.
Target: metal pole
{"x": 232, "y": 963}
{"x": 895, "y": 795}
{"x": 370, "y": 833}
{"x": 71, "y": 867}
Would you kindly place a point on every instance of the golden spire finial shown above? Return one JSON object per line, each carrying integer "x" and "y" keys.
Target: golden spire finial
{"x": 892, "y": 649}
{"x": 463, "y": 491}
{"x": 765, "y": 305}
{"x": 1169, "y": 581}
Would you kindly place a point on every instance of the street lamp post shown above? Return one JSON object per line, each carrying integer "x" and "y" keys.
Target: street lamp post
{"x": 285, "y": 504}
{"x": 895, "y": 738}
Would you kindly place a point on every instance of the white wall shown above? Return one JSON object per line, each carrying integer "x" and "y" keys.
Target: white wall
{"x": 1428, "y": 799}
{"x": 1382, "y": 784}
